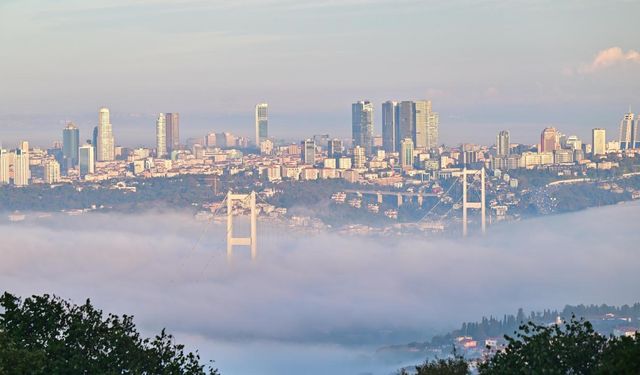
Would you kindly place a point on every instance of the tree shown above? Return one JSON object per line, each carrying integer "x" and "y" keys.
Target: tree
{"x": 621, "y": 356}
{"x": 48, "y": 335}
{"x": 450, "y": 366}
{"x": 574, "y": 348}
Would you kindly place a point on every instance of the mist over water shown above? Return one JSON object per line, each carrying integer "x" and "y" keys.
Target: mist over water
{"x": 319, "y": 302}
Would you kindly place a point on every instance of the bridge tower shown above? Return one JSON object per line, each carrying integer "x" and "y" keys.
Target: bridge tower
{"x": 466, "y": 204}
{"x": 241, "y": 241}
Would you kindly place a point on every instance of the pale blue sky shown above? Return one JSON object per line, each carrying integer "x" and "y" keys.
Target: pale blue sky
{"x": 486, "y": 65}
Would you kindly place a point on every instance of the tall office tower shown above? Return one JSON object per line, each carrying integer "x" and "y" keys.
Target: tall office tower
{"x": 598, "y": 141}
{"x": 87, "y": 160}
{"x": 406, "y": 122}
{"x": 21, "y": 172}
{"x": 334, "y": 148}
{"x": 629, "y": 132}
{"x": 362, "y": 125}
{"x": 172, "y": 121}
{"x": 51, "y": 172}
{"x": 105, "y": 146}
{"x": 503, "y": 143}
{"x": 433, "y": 125}
{"x": 423, "y": 112}
{"x": 161, "y": 136}
{"x": 359, "y": 157}
{"x": 262, "y": 122}
{"x": 309, "y": 151}
{"x": 390, "y": 116}
{"x": 70, "y": 145}
{"x": 4, "y": 167}
{"x": 406, "y": 154}
{"x": 549, "y": 140}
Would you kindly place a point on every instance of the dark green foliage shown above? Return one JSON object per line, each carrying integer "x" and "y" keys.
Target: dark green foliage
{"x": 621, "y": 356}
{"x": 570, "y": 349}
{"x": 450, "y": 366}
{"x": 47, "y": 335}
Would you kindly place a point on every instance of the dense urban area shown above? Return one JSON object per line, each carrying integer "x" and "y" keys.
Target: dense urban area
{"x": 401, "y": 181}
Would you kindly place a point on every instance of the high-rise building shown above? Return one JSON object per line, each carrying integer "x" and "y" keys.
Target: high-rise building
{"x": 433, "y": 125}
{"x": 406, "y": 122}
{"x": 629, "y": 132}
{"x": 549, "y": 140}
{"x": 70, "y": 145}
{"x": 362, "y": 125}
{"x": 106, "y": 143}
{"x": 161, "y": 136}
{"x": 598, "y": 141}
{"x": 51, "y": 172}
{"x": 406, "y": 154}
{"x": 572, "y": 142}
{"x": 359, "y": 157}
{"x": 335, "y": 148}
{"x": 503, "y": 145}
{"x": 262, "y": 122}
{"x": 172, "y": 124}
{"x": 423, "y": 111}
{"x": 4, "y": 167}
{"x": 390, "y": 116}
{"x": 21, "y": 171}
{"x": 309, "y": 151}
{"x": 87, "y": 160}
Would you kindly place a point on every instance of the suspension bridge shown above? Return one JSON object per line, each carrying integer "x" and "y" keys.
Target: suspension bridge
{"x": 473, "y": 198}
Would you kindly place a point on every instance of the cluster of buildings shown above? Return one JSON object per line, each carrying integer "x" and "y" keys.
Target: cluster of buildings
{"x": 408, "y": 147}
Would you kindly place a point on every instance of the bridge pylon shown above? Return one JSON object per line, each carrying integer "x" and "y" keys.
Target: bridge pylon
{"x": 242, "y": 241}
{"x": 466, "y": 204}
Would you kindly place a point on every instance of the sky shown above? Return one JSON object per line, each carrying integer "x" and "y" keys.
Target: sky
{"x": 487, "y": 65}
{"x": 323, "y": 301}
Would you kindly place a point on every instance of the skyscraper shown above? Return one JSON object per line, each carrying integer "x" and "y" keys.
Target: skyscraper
{"x": 21, "y": 172}
{"x": 87, "y": 160}
{"x": 406, "y": 122}
{"x": 161, "y": 136}
{"x": 105, "y": 146}
{"x": 549, "y": 140}
{"x": 4, "y": 167}
{"x": 406, "y": 154}
{"x": 433, "y": 125}
{"x": 362, "y": 124}
{"x": 262, "y": 122}
{"x": 503, "y": 143}
{"x": 598, "y": 141}
{"x": 70, "y": 145}
{"x": 334, "y": 148}
{"x": 172, "y": 124}
{"x": 389, "y": 125}
{"x": 629, "y": 132}
{"x": 423, "y": 110}
{"x": 309, "y": 151}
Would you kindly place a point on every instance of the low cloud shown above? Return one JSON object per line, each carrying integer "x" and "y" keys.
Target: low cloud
{"x": 308, "y": 297}
{"x": 608, "y": 58}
